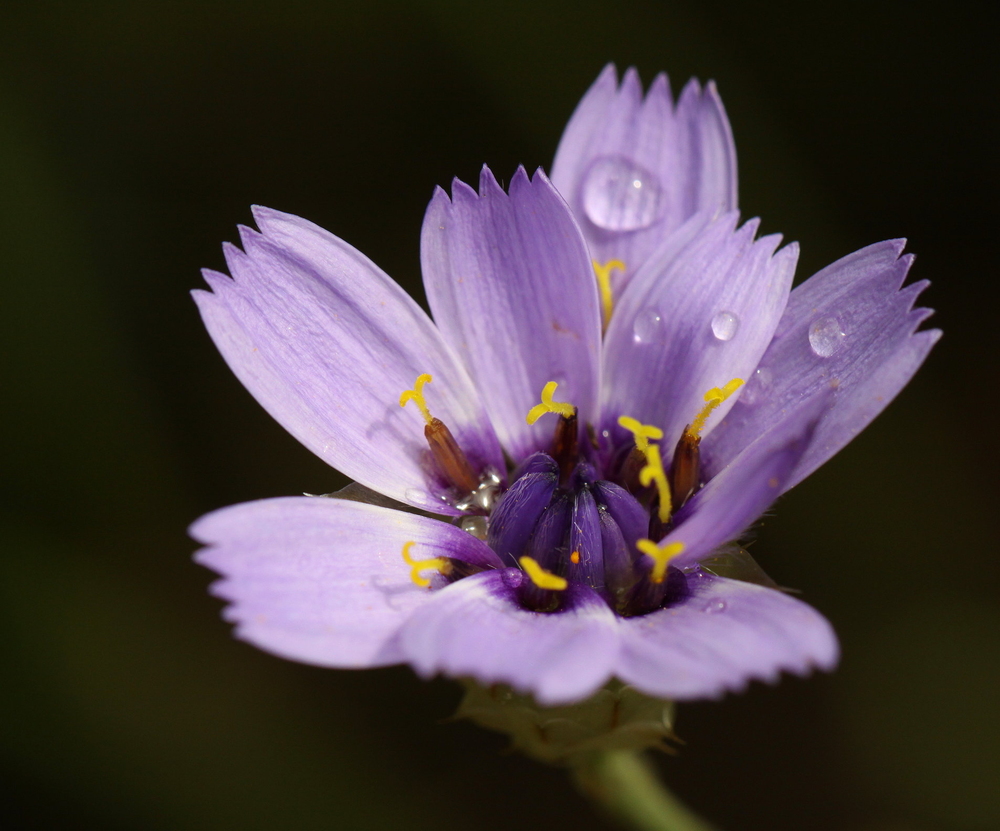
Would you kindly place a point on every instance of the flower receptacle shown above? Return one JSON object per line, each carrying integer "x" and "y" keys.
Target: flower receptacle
{"x": 616, "y": 717}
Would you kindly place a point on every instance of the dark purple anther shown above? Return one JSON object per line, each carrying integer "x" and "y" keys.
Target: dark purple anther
{"x": 536, "y": 463}
{"x": 583, "y": 529}
{"x": 619, "y": 574}
{"x": 586, "y": 553}
{"x": 630, "y": 516}
{"x": 516, "y": 514}
{"x": 548, "y": 545}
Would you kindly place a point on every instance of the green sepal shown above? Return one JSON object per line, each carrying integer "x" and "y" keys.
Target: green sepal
{"x": 616, "y": 717}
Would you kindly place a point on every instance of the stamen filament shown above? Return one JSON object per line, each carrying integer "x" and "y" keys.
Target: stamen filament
{"x": 653, "y": 473}
{"x": 714, "y": 397}
{"x": 661, "y": 556}
{"x": 550, "y": 406}
{"x": 603, "y": 273}
{"x": 416, "y": 395}
{"x": 542, "y": 578}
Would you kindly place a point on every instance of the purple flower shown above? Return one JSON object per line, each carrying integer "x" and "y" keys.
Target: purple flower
{"x": 568, "y": 449}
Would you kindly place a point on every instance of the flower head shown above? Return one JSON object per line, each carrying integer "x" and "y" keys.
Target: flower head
{"x": 618, "y": 382}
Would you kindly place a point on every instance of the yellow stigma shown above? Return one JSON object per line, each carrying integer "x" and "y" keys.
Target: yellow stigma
{"x": 642, "y": 432}
{"x": 549, "y": 406}
{"x": 653, "y": 473}
{"x": 542, "y": 578}
{"x": 416, "y": 395}
{"x": 603, "y": 273}
{"x": 713, "y": 398}
{"x": 660, "y": 556}
{"x": 416, "y": 566}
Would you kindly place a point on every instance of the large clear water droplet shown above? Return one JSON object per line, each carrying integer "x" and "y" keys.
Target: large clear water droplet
{"x": 757, "y": 387}
{"x": 826, "y": 337}
{"x": 724, "y": 325}
{"x": 620, "y": 195}
{"x": 647, "y": 325}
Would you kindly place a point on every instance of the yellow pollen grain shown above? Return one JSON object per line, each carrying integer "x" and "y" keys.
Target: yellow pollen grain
{"x": 439, "y": 564}
{"x": 549, "y": 406}
{"x": 642, "y": 432}
{"x": 542, "y": 578}
{"x": 653, "y": 473}
{"x": 603, "y": 273}
{"x": 713, "y": 398}
{"x": 661, "y": 556}
{"x": 574, "y": 558}
{"x": 416, "y": 395}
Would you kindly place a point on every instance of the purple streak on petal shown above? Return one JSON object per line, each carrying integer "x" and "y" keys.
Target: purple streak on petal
{"x": 517, "y": 513}
{"x": 722, "y": 636}
{"x": 475, "y": 627}
{"x": 323, "y": 580}
{"x": 512, "y": 289}
{"x": 665, "y": 347}
{"x": 686, "y": 151}
{"x": 862, "y": 326}
{"x": 326, "y": 342}
{"x": 585, "y": 540}
{"x": 742, "y": 491}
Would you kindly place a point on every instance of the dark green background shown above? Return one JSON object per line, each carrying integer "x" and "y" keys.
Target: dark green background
{"x": 133, "y": 138}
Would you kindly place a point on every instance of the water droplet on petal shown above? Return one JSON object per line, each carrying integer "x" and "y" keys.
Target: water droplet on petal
{"x": 724, "y": 325}
{"x": 826, "y": 337}
{"x": 646, "y": 327}
{"x": 714, "y": 606}
{"x": 757, "y": 387}
{"x": 416, "y": 496}
{"x": 620, "y": 195}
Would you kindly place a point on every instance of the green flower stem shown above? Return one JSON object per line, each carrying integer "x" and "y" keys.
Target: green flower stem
{"x": 623, "y": 783}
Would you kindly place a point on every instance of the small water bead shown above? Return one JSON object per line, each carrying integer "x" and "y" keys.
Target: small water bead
{"x": 757, "y": 387}
{"x": 416, "y": 496}
{"x": 647, "y": 325}
{"x": 724, "y": 325}
{"x": 714, "y": 606}
{"x": 620, "y": 195}
{"x": 478, "y": 526}
{"x": 826, "y": 337}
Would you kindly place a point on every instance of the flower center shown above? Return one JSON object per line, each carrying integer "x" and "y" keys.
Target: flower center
{"x": 562, "y": 523}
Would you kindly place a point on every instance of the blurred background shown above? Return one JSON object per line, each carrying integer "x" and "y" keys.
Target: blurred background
{"x": 133, "y": 138}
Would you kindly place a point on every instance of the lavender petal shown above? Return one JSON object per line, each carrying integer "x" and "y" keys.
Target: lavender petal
{"x": 700, "y": 313}
{"x": 848, "y": 333}
{"x": 510, "y": 284}
{"x": 723, "y": 635}
{"x": 326, "y": 342}
{"x": 742, "y": 491}
{"x": 683, "y": 157}
{"x": 476, "y": 628}
{"x": 323, "y": 580}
